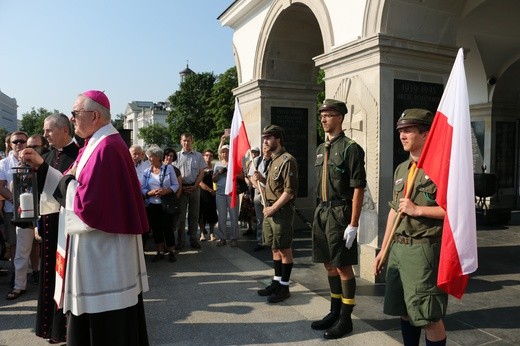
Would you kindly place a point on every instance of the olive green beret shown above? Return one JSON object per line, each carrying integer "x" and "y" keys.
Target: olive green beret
{"x": 335, "y": 105}
{"x": 414, "y": 117}
{"x": 273, "y": 130}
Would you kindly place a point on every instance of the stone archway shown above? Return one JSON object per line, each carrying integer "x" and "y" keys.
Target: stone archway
{"x": 405, "y": 44}
{"x": 284, "y": 87}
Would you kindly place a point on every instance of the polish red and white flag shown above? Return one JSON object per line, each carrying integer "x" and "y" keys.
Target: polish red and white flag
{"x": 238, "y": 148}
{"x": 447, "y": 158}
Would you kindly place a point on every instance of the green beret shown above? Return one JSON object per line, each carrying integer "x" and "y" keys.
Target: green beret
{"x": 335, "y": 105}
{"x": 414, "y": 117}
{"x": 273, "y": 130}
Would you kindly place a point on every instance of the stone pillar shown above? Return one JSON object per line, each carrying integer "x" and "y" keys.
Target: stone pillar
{"x": 363, "y": 74}
{"x": 292, "y": 106}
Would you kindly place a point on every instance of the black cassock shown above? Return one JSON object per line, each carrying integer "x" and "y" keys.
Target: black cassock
{"x": 50, "y": 321}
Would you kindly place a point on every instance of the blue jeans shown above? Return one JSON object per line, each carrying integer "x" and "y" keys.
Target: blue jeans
{"x": 223, "y": 206}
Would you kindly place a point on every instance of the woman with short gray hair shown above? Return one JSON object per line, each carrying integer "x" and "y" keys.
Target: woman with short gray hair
{"x": 159, "y": 180}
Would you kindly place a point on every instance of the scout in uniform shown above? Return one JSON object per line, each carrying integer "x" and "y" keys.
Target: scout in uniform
{"x": 281, "y": 186}
{"x": 340, "y": 169}
{"x": 411, "y": 274}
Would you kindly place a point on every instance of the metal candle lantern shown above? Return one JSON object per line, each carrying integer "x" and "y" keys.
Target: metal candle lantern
{"x": 25, "y": 194}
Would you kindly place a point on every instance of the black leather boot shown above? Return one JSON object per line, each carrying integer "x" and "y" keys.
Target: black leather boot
{"x": 329, "y": 320}
{"x": 281, "y": 294}
{"x": 269, "y": 289}
{"x": 343, "y": 325}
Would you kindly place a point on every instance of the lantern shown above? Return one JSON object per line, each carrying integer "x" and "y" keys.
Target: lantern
{"x": 25, "y": 194}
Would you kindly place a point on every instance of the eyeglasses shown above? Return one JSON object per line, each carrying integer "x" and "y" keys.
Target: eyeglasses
{"x": 328, "y": 115}
{"x": 34, "y": 146}
{"x": 76, "y": 113}
{"x": 19, "y": 141}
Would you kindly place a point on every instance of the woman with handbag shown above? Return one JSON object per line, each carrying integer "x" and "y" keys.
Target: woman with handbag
{"x": 159, "y": 187}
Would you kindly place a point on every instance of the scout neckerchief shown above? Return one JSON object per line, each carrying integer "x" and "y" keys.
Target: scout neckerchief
{"x": 410, "y": 177}
{"x": 325, "y": 172}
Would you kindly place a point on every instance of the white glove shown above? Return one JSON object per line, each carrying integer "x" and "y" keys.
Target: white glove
{"x": 349, "y": 236}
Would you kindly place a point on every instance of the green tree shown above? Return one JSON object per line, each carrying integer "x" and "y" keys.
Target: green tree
{"x": 189, "y": 107}
{"x": 222, "y": 105}
{"x": 155, "y": 134}
{"x": 3, "y": 133}
{"x": 119, "y": 121}
{"x": 319, "y": 101}
{"x": 32, "y": 122}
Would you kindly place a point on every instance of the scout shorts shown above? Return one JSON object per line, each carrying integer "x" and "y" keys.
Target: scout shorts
{"x": 277, "y": 230}
{"x": 328, "y": 245}
{"x": 411, "y": 283}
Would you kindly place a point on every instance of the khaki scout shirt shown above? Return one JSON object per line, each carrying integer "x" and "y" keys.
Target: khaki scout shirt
{"x": 282, "y": 176}
{"x": 346, "y": 168}
{"x": 423, "y": 194}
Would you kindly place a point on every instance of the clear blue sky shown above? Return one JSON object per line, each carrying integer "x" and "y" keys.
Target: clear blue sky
{"x": 133, "y": 49}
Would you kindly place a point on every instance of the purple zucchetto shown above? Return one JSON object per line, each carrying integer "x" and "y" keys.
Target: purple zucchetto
{"x": 99, "y": 97}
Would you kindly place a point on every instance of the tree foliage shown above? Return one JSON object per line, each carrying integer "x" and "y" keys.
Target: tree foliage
{"x": 119, "y": 121}
{"x": 319, "y": 101}
{"x": 3, "y": 133}
{"x": 32, "y": 122}
{"x": 203, "y": 106}
{"x": 189, "y": 107}
{"x": 222, "y": 105}
{"x": 155, "y": 134}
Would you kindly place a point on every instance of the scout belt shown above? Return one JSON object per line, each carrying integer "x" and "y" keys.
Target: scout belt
{"x": 333, "y": 203}
{"x": 402, "y": 239}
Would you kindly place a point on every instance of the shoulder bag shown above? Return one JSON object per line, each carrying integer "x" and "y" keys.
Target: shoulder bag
{"x": 169, "y": 202}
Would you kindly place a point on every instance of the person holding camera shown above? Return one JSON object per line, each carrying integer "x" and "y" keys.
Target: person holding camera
{"x": 224, "y": 201}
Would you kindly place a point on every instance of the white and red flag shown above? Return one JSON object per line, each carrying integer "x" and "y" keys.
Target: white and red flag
{"x": 447, "y": 159}
{"x": 238, "y": 147}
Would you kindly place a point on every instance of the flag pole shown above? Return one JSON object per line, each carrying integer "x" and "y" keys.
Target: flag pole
{"x": 397, "y": 221}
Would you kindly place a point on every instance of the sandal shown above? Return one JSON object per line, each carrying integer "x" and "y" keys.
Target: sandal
{"x": 13, "y": 294}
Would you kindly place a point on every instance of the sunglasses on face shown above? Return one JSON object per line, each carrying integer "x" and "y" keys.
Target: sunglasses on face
{"x": 19, "y": 141}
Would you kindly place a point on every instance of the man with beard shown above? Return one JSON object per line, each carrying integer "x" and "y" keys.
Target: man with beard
{"x": 281, "y": 187}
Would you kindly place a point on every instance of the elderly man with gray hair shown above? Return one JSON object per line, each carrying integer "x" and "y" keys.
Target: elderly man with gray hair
{"x": 138, "y": 157}
{"x": 101, "y": 272}
{"x": 50, "y": 320}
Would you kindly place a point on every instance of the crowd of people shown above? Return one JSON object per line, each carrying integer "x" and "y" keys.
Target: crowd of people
{"x": 160, "y": 192}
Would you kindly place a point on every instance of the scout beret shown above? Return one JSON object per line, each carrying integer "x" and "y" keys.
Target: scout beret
{"x": 335, "y": 105}
{"x": 414, "y": 117}
{"x": 273, "y": 130}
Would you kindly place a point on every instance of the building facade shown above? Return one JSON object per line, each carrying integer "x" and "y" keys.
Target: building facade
{"x": 139, "y": 114}
{"x": 8, "y": 113}
{"x": 381, "y": 57}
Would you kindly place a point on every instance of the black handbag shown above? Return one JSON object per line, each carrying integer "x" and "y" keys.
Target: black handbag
{"x": 169, "y": 202}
